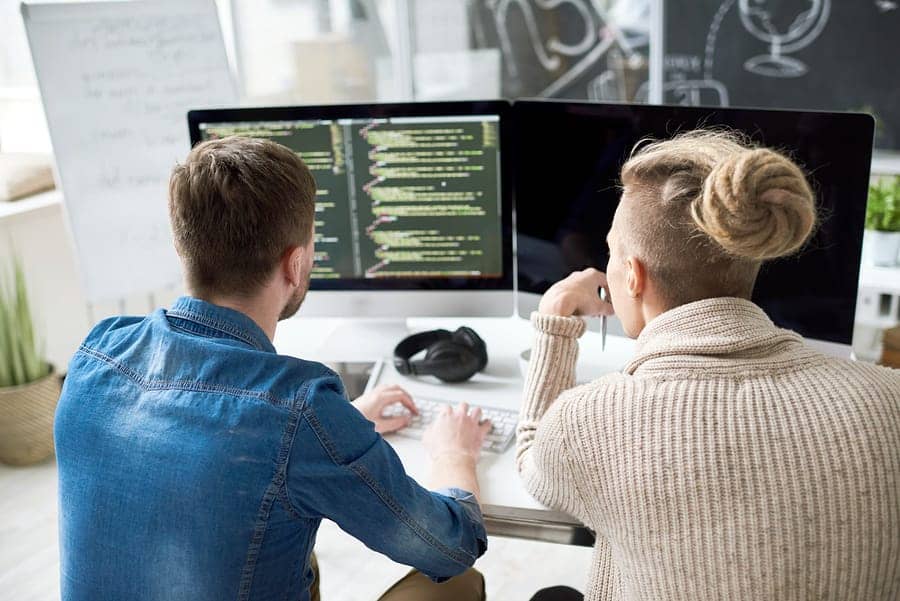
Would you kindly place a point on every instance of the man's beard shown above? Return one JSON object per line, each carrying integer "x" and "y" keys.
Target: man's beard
{"x": 293, "y": 305}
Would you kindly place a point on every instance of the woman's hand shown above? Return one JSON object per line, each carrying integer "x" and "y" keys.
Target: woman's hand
{"x": 578, "y": 294}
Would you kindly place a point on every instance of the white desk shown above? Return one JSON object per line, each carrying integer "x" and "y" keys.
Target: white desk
{"x": 509, "y": 510}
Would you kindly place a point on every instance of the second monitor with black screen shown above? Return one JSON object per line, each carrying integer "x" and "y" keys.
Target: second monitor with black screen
{"x": 412, "y": 203}
{"x": 567, "y": 164}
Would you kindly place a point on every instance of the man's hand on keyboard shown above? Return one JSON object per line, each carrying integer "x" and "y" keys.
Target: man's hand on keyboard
{"x": 456, "y": 431}
{"x": 373, "y": 403}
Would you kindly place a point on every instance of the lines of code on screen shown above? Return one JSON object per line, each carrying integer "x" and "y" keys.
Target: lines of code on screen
{"x": 397, "y": 198}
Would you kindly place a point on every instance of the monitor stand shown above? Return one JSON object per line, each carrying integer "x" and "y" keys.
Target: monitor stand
{"x": 363, "y": 339}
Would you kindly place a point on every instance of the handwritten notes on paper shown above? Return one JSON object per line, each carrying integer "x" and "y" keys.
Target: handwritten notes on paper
{"x": 117, "y": 79}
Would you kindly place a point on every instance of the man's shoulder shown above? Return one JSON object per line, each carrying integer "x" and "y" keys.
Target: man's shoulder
{"x": 110, "y": 339}
{"x": 311, "y": 375}
{"x": 153, "y": 354}
{"x": 116, "y": 327}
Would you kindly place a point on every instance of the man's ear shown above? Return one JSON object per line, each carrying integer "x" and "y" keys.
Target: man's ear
{"x": 292, "y": 265}
{"x": 635, "y": 277}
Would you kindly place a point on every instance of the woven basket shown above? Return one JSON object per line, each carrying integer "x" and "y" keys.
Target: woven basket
{"x": 26, "y": 420}
{"x": 890, "y": 353}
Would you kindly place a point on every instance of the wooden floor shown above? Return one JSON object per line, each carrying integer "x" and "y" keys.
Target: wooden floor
{"x": 29, "y": 560}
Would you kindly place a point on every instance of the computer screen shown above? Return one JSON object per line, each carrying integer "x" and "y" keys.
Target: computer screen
{"x": 409, "y": 196}
{"x": 568, "y": 157}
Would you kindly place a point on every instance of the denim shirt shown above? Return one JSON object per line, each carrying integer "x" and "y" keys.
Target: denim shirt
{"x": 196, "y": 463}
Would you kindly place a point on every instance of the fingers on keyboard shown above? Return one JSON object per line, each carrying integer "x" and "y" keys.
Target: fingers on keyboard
{"x": 498, "y": 438}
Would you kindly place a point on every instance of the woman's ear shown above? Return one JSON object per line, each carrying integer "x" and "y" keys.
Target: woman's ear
{"x": 635, "y": 277}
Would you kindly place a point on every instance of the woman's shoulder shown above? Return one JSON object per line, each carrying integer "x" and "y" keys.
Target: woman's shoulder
{"x": 598, "y": 392}
{"x": 877, "y": 377}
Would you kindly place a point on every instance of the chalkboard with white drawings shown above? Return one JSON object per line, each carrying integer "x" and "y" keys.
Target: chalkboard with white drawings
{"x": 810, "y": 54}
{"x": 117, "y": 79}
{"x": 561, "y": 49}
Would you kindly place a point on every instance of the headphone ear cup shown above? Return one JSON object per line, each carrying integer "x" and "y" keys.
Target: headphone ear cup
{"x": 468, "y": 337}
{"x": 413, "y": 345}
{"x": 402, "y": 366}
{"x": 450, "y": 361}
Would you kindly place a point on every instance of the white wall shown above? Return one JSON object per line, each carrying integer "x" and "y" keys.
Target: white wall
{"x": 41, "y": 239}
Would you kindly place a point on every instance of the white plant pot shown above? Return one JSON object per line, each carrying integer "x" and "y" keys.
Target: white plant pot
{"x": 885, "y": 248}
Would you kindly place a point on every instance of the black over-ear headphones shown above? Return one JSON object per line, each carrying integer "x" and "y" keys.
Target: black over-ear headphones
{"x": 449, "y": 356}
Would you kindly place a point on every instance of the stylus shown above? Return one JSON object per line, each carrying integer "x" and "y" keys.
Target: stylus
{"x": 603, "y": 296}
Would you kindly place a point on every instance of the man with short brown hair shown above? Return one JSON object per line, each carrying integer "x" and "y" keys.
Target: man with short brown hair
{"x": 228, "y": 245}
{"x": 196, "y": 463}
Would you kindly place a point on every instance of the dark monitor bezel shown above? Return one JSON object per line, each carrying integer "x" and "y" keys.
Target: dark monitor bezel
{"x": 524, "y": 110}
{"x": 501, "y": 108}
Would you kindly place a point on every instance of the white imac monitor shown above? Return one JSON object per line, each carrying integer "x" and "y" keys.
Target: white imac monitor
{"x": 413, "y": 208}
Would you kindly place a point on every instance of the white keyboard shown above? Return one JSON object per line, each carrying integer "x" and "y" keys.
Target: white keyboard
{"x": 503, "y": 422}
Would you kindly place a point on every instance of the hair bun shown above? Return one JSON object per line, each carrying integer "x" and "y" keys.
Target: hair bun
{"x": 756, "y": 204}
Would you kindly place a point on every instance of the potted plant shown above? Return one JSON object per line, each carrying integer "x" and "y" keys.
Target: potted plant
{"x": 29, "y": 388}
{"x": 883, "y": 221}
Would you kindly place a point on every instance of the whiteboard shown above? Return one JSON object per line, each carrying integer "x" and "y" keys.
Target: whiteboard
{"x": 117, "y": 79}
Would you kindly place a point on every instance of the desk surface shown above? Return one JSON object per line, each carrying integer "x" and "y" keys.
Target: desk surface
{"x": 499, "y": 385}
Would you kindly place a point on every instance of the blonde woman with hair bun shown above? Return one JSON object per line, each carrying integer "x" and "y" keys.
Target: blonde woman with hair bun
{"x": 728, "y": 460}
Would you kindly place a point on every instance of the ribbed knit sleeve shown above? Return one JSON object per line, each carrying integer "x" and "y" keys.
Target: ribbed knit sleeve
{"x": 551, "y": 368}
{"x": 542, "y": 445}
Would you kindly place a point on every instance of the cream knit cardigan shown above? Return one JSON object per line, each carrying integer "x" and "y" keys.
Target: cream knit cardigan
{"x": 728, "y": 460}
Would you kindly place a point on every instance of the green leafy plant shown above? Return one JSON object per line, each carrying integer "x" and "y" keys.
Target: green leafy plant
{"x": 21, "y": 358}
{"x": 883, "y": 208}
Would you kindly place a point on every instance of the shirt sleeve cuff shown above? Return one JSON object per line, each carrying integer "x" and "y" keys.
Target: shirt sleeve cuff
{"x": 570, "y": 327}
{"x": 469, "y": 504}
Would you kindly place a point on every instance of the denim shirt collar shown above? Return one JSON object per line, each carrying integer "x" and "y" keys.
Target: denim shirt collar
{"x": 220, "y": 322}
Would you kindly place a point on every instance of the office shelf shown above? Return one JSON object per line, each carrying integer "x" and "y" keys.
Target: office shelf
{"x": 885, "y": 280}
{"x": 885, "y": 162}
{"x": 29, "y": 204}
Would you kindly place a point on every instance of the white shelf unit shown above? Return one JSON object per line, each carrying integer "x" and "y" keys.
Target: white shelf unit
{"x": 877, "y": 309}
{"x": 886, "y": 162}
{"x": 14, "y": 208}
{"x": 879, "y": 296}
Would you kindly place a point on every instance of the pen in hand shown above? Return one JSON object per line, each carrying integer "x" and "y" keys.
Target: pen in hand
{"x": 603, "y": 297}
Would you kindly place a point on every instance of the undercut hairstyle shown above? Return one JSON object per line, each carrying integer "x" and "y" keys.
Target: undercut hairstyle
{"x": 236, "y": 205}
{"x": 706, "y": 208}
